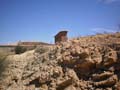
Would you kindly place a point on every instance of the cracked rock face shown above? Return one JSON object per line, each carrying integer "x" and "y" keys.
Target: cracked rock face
{"x": 89, "y": 63}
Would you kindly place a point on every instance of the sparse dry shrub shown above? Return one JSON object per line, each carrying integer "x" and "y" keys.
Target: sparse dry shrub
{"x": 20, "y": 49}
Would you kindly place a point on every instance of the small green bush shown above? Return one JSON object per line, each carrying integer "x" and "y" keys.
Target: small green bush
{"x": 20, "y": 49}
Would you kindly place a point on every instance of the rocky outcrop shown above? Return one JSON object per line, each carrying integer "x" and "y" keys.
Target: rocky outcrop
{"x": 79, "y": 64}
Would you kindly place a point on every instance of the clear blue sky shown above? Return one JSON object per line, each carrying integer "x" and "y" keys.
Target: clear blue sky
{"x": 40, "y": 20}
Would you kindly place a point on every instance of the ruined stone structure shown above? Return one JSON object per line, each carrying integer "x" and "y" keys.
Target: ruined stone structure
{"x": 61, "y": 37}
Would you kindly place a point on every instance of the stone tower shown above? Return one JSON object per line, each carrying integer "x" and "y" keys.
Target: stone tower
{"x": 61, "y": 37}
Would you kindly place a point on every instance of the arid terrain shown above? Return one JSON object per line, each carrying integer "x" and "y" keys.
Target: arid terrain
{"x": 82, "y": 63}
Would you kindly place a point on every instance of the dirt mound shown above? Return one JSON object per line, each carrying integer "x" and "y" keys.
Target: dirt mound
{"x": 86, "y": 63}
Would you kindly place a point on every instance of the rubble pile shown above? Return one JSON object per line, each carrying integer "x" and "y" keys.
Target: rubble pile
{"x": 79, "y": 64}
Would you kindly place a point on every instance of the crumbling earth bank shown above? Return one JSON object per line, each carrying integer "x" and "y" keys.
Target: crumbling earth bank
{"x": 74, "y": 65}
